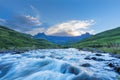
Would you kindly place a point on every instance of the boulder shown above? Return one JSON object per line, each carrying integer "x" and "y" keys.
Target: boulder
{"x": 86, "y": 65}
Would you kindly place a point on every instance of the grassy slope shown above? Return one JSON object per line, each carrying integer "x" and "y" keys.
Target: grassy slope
{"x": 108, "y": 41}
{"x": 10, "y": 39}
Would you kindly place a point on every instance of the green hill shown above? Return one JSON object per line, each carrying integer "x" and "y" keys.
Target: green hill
{"x": 10, "y": 39}
{"x": 107, "y": 41}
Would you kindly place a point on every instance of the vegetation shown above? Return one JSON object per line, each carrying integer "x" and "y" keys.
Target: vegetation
{"x": 107, "y": 41}
{"x": 10, "y": 39}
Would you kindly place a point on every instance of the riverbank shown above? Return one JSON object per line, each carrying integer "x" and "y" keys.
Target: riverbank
{"x": 18, "y": 50}
{"x": 93, "y": 50}
{"x": 98, "y": 50}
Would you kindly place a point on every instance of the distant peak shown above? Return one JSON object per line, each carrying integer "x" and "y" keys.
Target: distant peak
{"x": 41, "y": 33}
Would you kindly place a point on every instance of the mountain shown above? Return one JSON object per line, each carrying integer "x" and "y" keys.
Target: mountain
{"x": 108, "y": 41}
{"x": 10, "y": 39}
{"x": 62, "y": 39}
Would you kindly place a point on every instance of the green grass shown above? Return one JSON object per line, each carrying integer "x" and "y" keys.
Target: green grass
{"x": 114, "y": 50}
{"x": 10, "y": 39}
{"x": 107, "y": 41}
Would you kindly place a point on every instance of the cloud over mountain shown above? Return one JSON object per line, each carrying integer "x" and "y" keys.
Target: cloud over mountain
{"x": 71, "y": 28}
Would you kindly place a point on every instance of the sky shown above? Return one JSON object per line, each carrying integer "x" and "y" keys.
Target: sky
{"x": 60, "y": 17}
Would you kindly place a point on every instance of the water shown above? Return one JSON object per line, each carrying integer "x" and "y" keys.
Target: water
{"x": 57, "y": 64}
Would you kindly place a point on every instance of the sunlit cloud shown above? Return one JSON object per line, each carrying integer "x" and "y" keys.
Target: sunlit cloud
{"x": 71, "y": 28}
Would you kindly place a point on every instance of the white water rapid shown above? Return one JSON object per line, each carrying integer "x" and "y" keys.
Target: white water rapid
{"x": 57, "y": 64}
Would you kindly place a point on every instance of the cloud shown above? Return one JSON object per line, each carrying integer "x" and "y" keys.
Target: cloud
{"x": 27, "y": 20}
{"x": 35, "y": 31}
{"x": 2, "y": 21}
{"x": 35, "y": 11}
{"x": 70, "y": 28}
{"x": 32, "y": 25}
{"x": 22, "y": 23}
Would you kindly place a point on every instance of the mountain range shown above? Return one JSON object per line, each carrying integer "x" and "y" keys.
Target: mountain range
{"x": 62, "y": 39}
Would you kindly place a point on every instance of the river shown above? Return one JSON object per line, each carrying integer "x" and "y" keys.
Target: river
{"x": 57, "y": 64}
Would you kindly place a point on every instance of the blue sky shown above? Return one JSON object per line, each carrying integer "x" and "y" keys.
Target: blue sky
{"x": 60, "y": 17}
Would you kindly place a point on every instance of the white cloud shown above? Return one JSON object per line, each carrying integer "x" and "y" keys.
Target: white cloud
{"x": 35, "y": 31}
{"x": 2, "y": 21}
{"x": 23, "y": 22}
{"x": 35, "y": 11}
{"x": 70, "y": 28}
{"x": 27, "y": 20}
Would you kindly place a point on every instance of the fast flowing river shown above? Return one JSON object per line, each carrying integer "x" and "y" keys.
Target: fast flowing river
{"x": 58, "y": 64}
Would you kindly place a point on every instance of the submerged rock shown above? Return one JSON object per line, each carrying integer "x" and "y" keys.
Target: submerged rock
{"x": 115, "y": 65}
{"x": 67, "y": 68}
{"x": 86, "y": 65}
{"x": 87, "y": 58}
{"x": 98, "y": 54}
{"x": 85, "y": 76}
{"x": 94, "y": 58}
{"x": 97, "y": 59}
{"x": 116, "y": 55}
